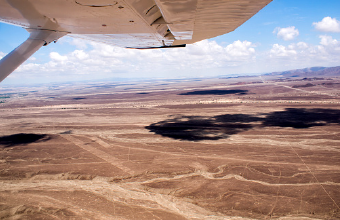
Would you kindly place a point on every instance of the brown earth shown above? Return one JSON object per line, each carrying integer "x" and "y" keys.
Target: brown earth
{"x": 255, "y": 148}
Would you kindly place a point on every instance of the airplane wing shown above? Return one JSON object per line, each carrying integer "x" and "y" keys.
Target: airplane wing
{"x": 126, "y": 23}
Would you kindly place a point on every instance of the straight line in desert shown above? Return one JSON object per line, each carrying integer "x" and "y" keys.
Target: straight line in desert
{"x": 226, "y": 157}
{"x": 101, "y": 154}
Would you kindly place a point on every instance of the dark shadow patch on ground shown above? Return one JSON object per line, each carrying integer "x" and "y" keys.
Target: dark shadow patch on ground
{"x": 143, "y": 93}
{"x": 217, "y": 92}
{"x": 132, "y": 88}
{"x": 304, "y": 86}
{"x": 79, "y": 98}
{"x": 22, "y": 139}
{"x": 67, "y": 132}
{"x": 302, "y": 118}
{"x": 198, "y": 128}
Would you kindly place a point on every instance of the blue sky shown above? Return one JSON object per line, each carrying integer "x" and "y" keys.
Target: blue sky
{"x": 284, "y": 35}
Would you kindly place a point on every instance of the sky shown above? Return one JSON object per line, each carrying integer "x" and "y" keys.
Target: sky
{"x": 285, "y": 35}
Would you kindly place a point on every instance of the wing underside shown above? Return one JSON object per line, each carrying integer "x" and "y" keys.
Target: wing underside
{"x": 133, "y": 23}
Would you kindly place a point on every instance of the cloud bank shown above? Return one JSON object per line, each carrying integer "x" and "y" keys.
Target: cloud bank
{"x": 91, "y": 60}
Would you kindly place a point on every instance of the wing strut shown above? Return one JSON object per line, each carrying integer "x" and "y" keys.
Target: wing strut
{"x": 36, "y": 40}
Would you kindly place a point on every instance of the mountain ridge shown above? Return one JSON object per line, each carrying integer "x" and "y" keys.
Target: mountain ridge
{"x": 309, "y": 72}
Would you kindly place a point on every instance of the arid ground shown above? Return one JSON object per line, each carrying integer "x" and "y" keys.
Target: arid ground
{"x": 227, "y": 148}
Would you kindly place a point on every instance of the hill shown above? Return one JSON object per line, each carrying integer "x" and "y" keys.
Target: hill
{"x": 310, "y": 72}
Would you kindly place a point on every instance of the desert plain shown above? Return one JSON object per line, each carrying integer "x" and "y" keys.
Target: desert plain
{"x": 258, "y": 147}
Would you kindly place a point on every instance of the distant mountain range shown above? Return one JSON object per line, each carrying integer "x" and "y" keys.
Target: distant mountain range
{"x": 309, "y": 72}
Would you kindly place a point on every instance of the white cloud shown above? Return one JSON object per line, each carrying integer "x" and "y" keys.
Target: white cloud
{"x": 327, "y": 24}
{"x": 80, "y": 44}
{"x": 289, "y": 33}
{"x": 240, "y": 49}
{"x": 328, "y": 41}
{"x": 329, "y": 48}
{"x": 204, "y": 47}
{"x": 301, "y": 55}
{"x": 282, "y": 51}
{"x": 56, "y": 56}
{"x": 2, "y": 55}
{"x": 302, "y": 45}
{"x": 79, "y": 54}
{"x": 27, "y": 67}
